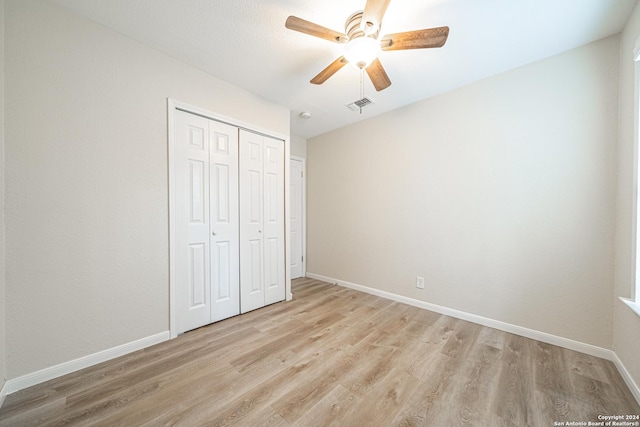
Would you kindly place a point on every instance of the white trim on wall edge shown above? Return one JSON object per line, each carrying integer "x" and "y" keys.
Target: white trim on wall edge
{"x": 592, "y": 350}
{"x": 46, "y": 374}
{"x": 485, "y": 321}
{"x": 632, "y": 305}
{"x": 3, "y": 393}
{"x": 626, "y": 376}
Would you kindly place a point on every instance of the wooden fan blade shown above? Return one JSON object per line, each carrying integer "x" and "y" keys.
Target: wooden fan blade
{"x": 378, "y": 75}
{"x": 329, "y": 71}
{"x": 298, "y": 24}
{"x": 372, "y": 16}
{"x": 419, "y": 39}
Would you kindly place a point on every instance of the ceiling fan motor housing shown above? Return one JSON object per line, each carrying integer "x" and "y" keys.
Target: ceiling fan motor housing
{"x": 354, "y": 28}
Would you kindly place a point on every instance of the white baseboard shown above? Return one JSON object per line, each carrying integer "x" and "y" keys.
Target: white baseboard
{"x": 628, "y": 379}
{"x": 592, "y": 350}
{"x": 56, "y": 371}
{"x": 3, "y": 393}
{"x": 485, "y": 321}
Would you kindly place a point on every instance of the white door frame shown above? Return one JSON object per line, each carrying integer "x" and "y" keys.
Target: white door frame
{"x": 304, "y": 211}
{"x": 172, "y": 106}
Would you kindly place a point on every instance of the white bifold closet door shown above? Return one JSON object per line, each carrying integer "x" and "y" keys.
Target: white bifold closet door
{"x": 229, "y": 221}
{"x": 262, "y": 251}
{"x": 206, "y": 221}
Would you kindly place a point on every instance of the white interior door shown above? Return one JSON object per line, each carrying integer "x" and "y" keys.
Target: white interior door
{"x": 225, "y": 283}
{"x": 296, "y": 218}
{"x": 206, "y": 221}
{"x": 251, "y": 221}
{"x": 262, "y": 248}
{"x": 191, "y": 154}
{"x": 273, "y": 218}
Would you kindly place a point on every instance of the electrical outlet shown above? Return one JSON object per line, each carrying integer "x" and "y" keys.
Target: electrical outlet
{"x": 420, "y": 282}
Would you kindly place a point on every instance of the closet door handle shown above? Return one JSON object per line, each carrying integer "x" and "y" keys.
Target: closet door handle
{"x": 213, "y": 233}
{"x": 259, "y": 231}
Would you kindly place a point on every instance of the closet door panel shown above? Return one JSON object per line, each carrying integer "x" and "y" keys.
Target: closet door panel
{"x": 225, "y": 248}
{"x": 274, "y": 220}
{"x": 251, "y": 219}
{"x": 191, "y": 154}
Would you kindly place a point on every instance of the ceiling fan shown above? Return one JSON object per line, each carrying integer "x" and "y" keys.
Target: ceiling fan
{"x": 362, "y": 45}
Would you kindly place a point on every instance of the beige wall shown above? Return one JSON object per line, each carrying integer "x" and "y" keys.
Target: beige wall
{"x": 626, "y": 323}
{"x": 500, "y": 194}
{"x": 86, "y": 182}
{"x": 298, "y": 146}
{"x": 3, "y": 352}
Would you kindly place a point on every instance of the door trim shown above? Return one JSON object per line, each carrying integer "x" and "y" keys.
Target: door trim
{"x": 172, "y": 106}
{"x": 304, "y": 211}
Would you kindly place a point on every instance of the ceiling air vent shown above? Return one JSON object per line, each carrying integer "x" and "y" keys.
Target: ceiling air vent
{"x": 360, "y": 104}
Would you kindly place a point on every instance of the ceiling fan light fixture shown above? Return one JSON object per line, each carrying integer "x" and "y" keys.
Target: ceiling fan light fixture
{"x": 363, "y": 46}
{"x": 361, "y": 51}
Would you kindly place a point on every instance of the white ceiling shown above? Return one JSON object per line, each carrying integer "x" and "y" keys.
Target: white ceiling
{"x": 245, "y": 42}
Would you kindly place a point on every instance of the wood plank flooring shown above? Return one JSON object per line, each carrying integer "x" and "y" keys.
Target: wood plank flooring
{"x": 333, "y": 356}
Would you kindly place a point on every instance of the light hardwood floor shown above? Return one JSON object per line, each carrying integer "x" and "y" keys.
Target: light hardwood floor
{"x": 333, "y": 356}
